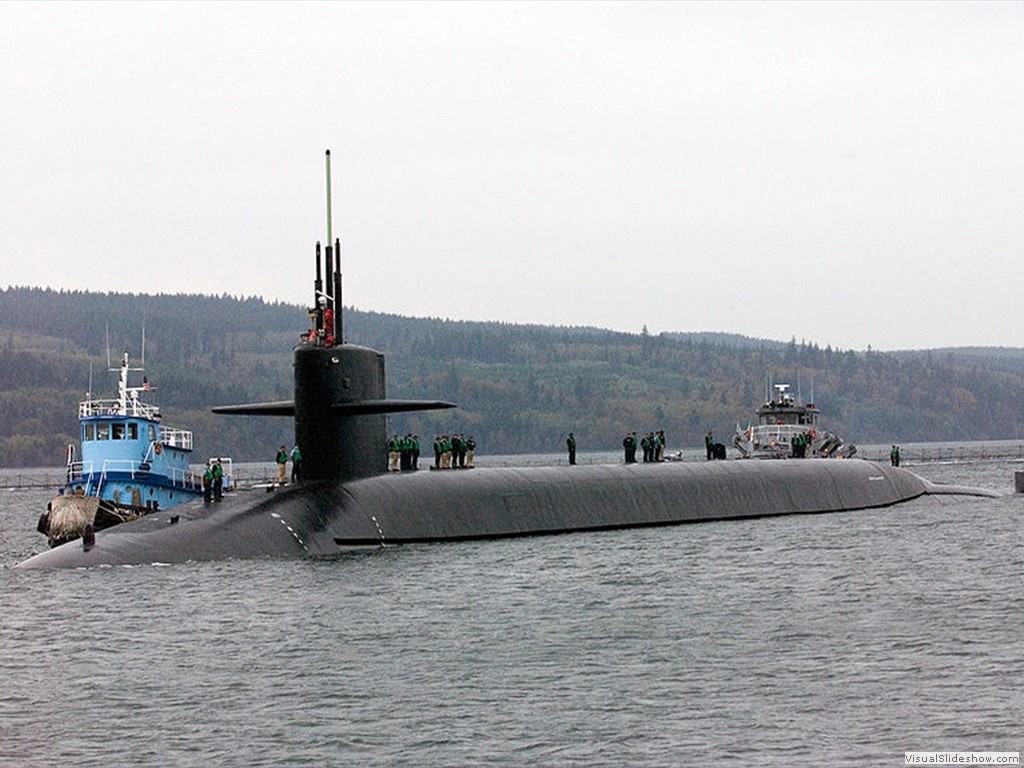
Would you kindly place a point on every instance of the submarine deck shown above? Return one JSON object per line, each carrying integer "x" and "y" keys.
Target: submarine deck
{"x": 322, "y": 519}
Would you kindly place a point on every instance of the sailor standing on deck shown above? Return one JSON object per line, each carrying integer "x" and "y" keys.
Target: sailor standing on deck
{"x": 405, "y": 452}
{"x": 282, "y": 459}
{"x": 456, "y": 451}
{"x": 570, "y": 443}
{"x": 393, "y": 453}
{"x": 446, "y": 452}
{"x": 207, "y": 483}
{"x": 296, "y": 464}
{"x": 629, "y": 445}
{"x": 218, "y": 480}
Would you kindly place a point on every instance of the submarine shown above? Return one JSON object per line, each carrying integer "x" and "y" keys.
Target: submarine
{"x": 347, "y": 500}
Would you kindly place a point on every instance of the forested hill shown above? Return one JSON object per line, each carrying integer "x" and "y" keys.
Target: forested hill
{"x": 519, "y": 388}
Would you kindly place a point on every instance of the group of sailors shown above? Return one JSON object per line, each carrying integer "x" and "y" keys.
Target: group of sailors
{"x": 403, "y": 453}
{"x": 652, "y": 444}
{"x": 213, "y": 481}
{"x": 455, "y": 452}
{"x": 800, "y": 445}
{"x": 282, "y": 459}
{"x": 450, "y": 452}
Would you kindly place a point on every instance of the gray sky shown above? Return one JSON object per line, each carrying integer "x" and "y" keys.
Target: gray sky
{"x": 848, "y": 174}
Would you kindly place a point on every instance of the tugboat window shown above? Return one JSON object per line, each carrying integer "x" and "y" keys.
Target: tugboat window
{"x": 102, "y": 431}
{"x": 133, "y": 430}
{"x": 117, "y": 431}
{"x": 90, "y": 434}
{"x": 152, "y": 433}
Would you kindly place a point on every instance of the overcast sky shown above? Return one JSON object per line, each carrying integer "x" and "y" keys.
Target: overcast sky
{"x": 846, "y": 174}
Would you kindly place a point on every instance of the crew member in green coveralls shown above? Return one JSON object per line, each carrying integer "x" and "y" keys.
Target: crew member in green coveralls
{"x": 282, "y": 459}
{"x": 207, "y": 483}
{"x": 296, "y": 464}
{"x": 404, "y": 452}
{"x": 218, "y": 480}
{"x": 446, "y": 452}
{"x": 393, "y": 453}
{"x": 570, "y": 443}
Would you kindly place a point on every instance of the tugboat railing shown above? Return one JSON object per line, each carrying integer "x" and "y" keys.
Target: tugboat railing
{"x": 84, "y": 471}
{"x": 135, "y": 408}
{"x": 177, "y": 438}
{"x": 774, "y": 433}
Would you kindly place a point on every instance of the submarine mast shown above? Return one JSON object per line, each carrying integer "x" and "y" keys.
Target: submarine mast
{"x": 340, "y": 406}
{"x": 327, "y": 306}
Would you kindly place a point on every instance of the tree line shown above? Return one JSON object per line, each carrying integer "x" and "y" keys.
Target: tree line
{"x": 520, "y": 388}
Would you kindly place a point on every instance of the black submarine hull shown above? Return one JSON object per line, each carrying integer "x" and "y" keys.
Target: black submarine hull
{"x": 327, "y": 518}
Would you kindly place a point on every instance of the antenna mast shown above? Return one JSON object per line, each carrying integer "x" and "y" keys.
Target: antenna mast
{"x": 326, "y": 312}
{"x": 333, "y": 281}
{"x": 330, "y": 239}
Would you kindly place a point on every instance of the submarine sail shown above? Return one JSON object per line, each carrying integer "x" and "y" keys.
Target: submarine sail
{"x": 339, "y": 407}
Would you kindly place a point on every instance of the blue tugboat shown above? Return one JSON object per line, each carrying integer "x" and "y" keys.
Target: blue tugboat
{"x": 131, "y": 465}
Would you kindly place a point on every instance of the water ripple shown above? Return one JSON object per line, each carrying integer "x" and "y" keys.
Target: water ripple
{"x": 828, "y": 639}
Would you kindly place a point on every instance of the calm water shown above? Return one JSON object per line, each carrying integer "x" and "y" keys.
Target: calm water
{"x": 819, "y": 640}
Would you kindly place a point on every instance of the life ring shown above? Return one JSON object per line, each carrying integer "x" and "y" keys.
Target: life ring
{"x": 158, "y": 448}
